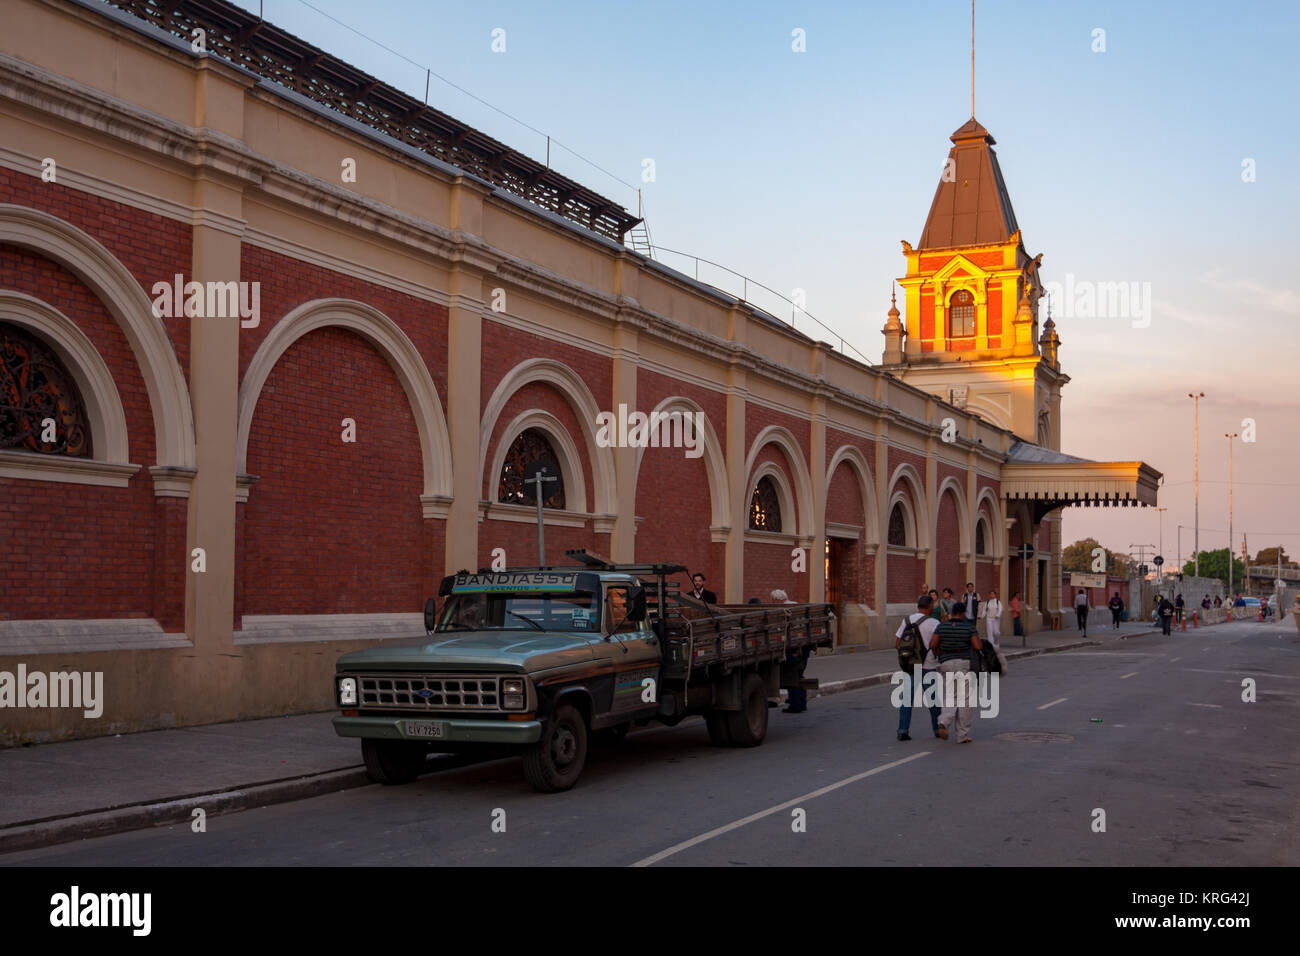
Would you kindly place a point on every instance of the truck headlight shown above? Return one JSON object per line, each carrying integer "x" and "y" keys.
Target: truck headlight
{"x": 347, "y": 691}
{"x": 512, "y": 693}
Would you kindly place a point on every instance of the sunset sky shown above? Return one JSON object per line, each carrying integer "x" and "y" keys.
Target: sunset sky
{"x": 804, "y": 170}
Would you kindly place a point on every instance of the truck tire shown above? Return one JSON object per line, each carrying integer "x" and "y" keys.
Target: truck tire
{"x": 748, "y": 726}
{"x": 719, "y": 729}
{"x": 555, "y": 762}
{"x": 393, "y": 762}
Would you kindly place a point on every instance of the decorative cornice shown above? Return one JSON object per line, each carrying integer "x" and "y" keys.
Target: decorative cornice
{"x": 169, "y": 481}
{"x": 31, "y": 466}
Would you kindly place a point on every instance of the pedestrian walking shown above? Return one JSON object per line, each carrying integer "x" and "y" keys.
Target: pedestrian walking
{"x": 991, "y": 613}
{"x": 952, "y": 642}
{"x": 922, "y": 625}
{"x": 1081, "y": 611}
{"x": 935, "y": 611}
{"x": 1017, "y": 626}
{"x": 1178, "y": 609}
{"x": 972, "y": 601}
{"x": 946, "y": 604}
{"x": 1165, "y": 611}
{"x": 1116, "y": 606}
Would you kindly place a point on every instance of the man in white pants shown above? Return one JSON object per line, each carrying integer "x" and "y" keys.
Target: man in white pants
{"x": 991, "y": 613}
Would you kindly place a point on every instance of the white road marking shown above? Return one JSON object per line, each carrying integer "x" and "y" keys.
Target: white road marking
{"x": 1127, "y": 676}
{"x": 1174, "y": 660}
{"x": 695, "y": 841}
{"x": 1215, "y": 706}
{"x": 1262, "y": 673}
{"x": 1054, "y": 703}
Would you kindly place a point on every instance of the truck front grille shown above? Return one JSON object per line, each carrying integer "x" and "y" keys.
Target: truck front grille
{"x": 428, "y": 692}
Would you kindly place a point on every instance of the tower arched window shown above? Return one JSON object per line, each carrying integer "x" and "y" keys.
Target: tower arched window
{"x": 530, "y": 453}
{"x": 41, "y": 409}
{"x": 765, "y": 506}
{"x": 961, "y": 315}
{"x": 898, "y": 526}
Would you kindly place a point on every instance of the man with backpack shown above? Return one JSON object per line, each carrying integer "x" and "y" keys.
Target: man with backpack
{"x": 913, "y": 643}
{"x": 1116, "y": 609}
{"x": 1165, "y": 611}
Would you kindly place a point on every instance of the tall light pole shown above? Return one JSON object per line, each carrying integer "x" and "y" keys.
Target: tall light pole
{"x": 1230, "y": 436}
{"x": 1196, "y": 537}
{"x": 1160, "y": 551}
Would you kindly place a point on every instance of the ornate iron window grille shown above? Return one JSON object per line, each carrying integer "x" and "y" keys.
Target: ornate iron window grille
{"x": 765, "y": 506}
{"x": 530, "y": 453}
{"x": 35, "y": 388}
{"x": 979, "y": 538}
{"x": 898, "y": 527}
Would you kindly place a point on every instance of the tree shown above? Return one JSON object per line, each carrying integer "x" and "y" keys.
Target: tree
{"x": 1268, "y": 556}
{"x": 1080, "y": 557}
{"x": 1214, "y": 564}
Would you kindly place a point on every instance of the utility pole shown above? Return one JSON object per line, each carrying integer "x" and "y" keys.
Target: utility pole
{"x": 1196, "y": 539}
{"x": 1230, "y": 436}
{"x": 538, "y": 480}
{"x": 1160, "y": 568}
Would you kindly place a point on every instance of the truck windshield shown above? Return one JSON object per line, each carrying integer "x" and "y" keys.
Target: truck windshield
{"x": 564, "y": 611}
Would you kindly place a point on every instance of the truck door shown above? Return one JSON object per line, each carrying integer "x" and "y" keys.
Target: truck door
{"x": 635, "y": 650}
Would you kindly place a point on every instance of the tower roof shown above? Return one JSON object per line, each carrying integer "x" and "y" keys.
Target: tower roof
{"x": 971, "y": 206}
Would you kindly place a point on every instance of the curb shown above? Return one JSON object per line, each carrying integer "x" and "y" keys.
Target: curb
{"x": 139, "y": 816}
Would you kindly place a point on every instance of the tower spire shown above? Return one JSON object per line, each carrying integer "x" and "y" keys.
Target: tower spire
{"x": 972, "y": 59}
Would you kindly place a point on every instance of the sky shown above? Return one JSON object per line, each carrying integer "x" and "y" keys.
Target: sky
{"x": 1161, "y": 154}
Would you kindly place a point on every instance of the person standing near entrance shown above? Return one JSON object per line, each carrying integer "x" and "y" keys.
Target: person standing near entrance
{"x": 991, "y": 614}
{"x": 1116, "y": 609}
{"x": 972, "y": 601}
{"x": 1081, "y": 611}
{"x": 1017, "y": 626}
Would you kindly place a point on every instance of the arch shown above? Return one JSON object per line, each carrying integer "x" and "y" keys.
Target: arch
{"x": 789, "y": 445}
{"x": 104, "y": 412}
{"x": 991, "y": 412}
{"x": 920, "y": 523}
{"x": 126, "y": 302}
{"x": 953, "y": 486}
{"x": 566, "y": 450}
{"x": 997, "y": 530}
{"x": 858, "y": 462}
{"x": 770, "y": 469}
{"x": 575, "y": 391}
{"x": 715, "y": 465}
{"x": 391, "y": 343}
{"x": 900, "y": 501}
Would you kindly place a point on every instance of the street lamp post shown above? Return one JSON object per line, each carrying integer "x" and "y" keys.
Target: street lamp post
{"x": 1160, "y": 551}
{"x": 1230, "y": 436}
{"x": 1196, "y": 538}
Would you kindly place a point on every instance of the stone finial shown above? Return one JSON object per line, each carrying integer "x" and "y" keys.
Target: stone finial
{"x": 893, "y": 332}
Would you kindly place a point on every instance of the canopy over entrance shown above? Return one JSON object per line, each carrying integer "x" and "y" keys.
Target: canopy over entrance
{"x": 1049, "y": 479}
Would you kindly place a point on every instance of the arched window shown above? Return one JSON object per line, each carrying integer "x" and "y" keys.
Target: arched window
{"x": 530, "y": 453}
{"x": 765, "y": 506}
{"x": 980, "y": 543}
{"x": 41, "y": 409}
{"x": 961, "y": 315}
{"x": 898, "y": 526}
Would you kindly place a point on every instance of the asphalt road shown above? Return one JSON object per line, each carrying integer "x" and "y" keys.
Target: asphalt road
{"x": 1186, "y": 772}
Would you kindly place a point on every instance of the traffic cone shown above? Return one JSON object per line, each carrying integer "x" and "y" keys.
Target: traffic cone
{"x": 1195, "y": 622}
{"x": 1185, "y": 621}
{"x": 1261, "y": 612}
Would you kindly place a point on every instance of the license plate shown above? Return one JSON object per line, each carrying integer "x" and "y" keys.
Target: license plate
{"x": 425, "y": 728}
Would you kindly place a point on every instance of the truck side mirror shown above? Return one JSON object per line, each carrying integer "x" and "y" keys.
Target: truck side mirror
{"x": 430, "y": 614}
{"x": 636, "y": 605}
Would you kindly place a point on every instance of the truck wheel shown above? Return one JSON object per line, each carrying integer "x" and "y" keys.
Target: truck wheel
{"x": 391, "y": 762}
{"x": 554, "y": 762}
{"x": 719, "y": 729}
{"x": 748, "y": 726}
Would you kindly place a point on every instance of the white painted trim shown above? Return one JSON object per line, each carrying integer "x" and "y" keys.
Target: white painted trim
{"x": 29, "y": 639}
{"x": 789, "y": 445}
{"x": 570, "y": 459}
{"x": 770, "y": 469}
{"x": 125, "y": 300}
{"x": 912, "y": 506}
{"x": 527, "y": 514}
{"x": 33, "y": 466}
{"x": 312, "y": 628}
{"x": 106, "y": 417}
{"x": 857, "y": 461}
{"x": 575, "y": 391}
{"x": 715, "y": 459}
{"x": 391, "y": 343}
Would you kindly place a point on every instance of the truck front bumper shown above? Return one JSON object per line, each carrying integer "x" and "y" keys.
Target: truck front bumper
{"x": 453, "y": 730}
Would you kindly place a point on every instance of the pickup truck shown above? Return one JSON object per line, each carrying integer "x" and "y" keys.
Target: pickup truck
{"x": 539, "y": 660}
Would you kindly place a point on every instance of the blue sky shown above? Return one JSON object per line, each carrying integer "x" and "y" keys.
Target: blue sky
{"x": 804, "y": 170}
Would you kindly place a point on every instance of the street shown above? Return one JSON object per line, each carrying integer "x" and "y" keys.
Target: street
{"x": 1186, "y": 772}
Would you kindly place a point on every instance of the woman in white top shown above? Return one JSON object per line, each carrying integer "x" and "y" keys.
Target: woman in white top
{"x": 991, "y": 613}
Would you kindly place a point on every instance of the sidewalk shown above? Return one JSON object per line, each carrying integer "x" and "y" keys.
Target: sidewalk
{"x": 54, "y": 793}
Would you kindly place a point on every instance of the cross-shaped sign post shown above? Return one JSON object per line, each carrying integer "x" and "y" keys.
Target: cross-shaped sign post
{"x": 538, "y": 480}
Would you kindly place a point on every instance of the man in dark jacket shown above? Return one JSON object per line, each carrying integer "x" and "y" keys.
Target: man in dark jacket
{"x": 1116, "y": 606}
{"x": 699, "y": 591}
{"x": 1165, "y": 611}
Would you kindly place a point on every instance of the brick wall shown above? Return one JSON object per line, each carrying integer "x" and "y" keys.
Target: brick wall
{"x": 949, "y": 570}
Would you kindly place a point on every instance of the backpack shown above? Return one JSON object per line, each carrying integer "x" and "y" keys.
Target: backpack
{"x": 911, "y": 650}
